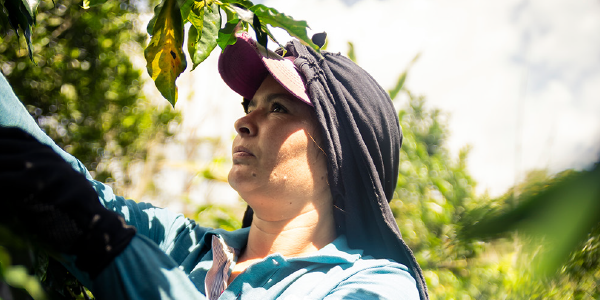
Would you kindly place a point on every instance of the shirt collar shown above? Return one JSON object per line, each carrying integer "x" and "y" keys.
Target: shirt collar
{"x": 335, "y": 252}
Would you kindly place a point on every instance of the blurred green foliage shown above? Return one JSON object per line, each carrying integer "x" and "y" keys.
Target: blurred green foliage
{"x": 219, "y": 216}
{"x": 540, "y": 240}
{"x": 434, "y": 193}
{"x": 555, "y": 220}
{"x": 84, "y": 91}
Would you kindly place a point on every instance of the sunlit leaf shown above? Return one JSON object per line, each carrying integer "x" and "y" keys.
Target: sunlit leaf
{"x": 399, "y": 84}
{"x": 274, "y": 18}
{"x": 164, "y": 54}
{"x": 352, "y": 55}
{"x": 31, "y": 7}
{"x": 17, "y": 276}
{"x": 195, "y": 14}
{"x": 227, "y": 34}
{"x": 244, "y": 3}
{"x": 157, "y": 10}
{"x": 89, "y": 3}
{"x": 201, "y": 45}
{"x": 242, "y": 13}
{"x": 186, "y": 6}
{"x": 401, "y": 79}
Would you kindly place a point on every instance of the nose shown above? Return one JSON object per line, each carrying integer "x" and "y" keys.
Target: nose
{"x": 245, "y": 126}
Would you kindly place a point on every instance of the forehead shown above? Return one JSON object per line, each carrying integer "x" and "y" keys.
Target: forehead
{"x": 270, "y": 90}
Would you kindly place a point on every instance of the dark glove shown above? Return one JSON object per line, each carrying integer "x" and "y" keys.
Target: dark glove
{"x": 42, "y": 196}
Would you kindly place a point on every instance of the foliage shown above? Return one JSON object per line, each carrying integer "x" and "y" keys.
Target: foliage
{"x": 473, "y": 246}
{"x": 555, "y": 219}
{"x": 86, "y": 95}
{"x": 84, "y": 91}
{"x": 21, "y": 15}
{"x": 543, "y": 243}
{"x": 164, "y": 55}
{"x": 219, "y": 216}
{"x": 434, "y": 193}
{"x": 13, "y": 272}
{"x": 562, "y": 211}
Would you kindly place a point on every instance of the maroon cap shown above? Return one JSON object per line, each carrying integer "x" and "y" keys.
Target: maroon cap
{"x": 245, "y": 64}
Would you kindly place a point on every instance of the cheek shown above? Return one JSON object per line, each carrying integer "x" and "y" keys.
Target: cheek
{"x": 293, "y": 149}
{"x": 298, "y": 161}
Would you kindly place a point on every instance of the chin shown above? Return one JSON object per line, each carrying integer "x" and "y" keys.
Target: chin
{"x": 240, "y": 181}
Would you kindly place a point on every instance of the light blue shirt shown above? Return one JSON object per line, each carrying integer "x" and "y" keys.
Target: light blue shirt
{"x": 170, "y": 255}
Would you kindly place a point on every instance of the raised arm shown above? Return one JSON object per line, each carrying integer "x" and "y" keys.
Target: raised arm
{"x": 152, "y": 222}
{"x": 50, "y": 194}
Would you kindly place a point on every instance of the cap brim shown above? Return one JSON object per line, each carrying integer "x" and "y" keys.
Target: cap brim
{"x": 245, "y": 64}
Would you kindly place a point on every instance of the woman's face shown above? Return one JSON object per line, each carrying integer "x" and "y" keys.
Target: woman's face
{"x": 277, "y": 166}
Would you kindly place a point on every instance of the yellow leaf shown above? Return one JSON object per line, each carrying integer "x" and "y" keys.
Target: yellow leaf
{"x": 164, "y": 54}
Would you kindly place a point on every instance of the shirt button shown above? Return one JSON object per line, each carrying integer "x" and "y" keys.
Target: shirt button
{"x": 275, "y": 262}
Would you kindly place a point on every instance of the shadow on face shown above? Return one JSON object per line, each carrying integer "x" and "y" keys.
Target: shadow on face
{"x": 278, "y": 167}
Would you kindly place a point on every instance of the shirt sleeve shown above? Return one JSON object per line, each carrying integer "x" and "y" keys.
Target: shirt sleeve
{"x": 144, "y": 263}
{"x": 14, "y": 114}
{"x": 141, "y": 271}
{"x": 160, "y": 225}
{"x": 382, "y": 283}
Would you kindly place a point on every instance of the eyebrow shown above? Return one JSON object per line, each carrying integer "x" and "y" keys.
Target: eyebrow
{"x": 270, "y": 98}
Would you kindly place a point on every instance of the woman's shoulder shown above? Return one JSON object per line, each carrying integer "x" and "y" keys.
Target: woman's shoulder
{"x": 374, "y": 278}
{"x": 340, "y": 272}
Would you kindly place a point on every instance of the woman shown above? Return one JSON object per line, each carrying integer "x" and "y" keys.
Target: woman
{"x": 316, "y": 159}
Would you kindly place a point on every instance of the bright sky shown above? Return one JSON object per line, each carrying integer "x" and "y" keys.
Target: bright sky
{"x": 519, "y": 80}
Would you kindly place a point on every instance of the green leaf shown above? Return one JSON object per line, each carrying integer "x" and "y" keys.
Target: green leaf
{"x": 196, "y": 15}
{"x": 89, "y": 3}
{"x": 274, "y": 18}
{"x": 261, "y": 35}
{"x": 351, "y": 54}
{"x": 244, "y": 3}
{"x": 186, "y": 7}
{"x": 30, "y": 6}
{"x": 399, "y": 84}
{"x": 201, "y": 45}
{"x": 17, "y": 276}
{"x": 164, "y": 54}
{"x": 401, "y": 79}
{"x": 157, "y": 10}
{"x": 227, "y": 34}
{"x": 21, "y": 15}
{"x": 563, "y": 214}
{"x": 243, "y": 14}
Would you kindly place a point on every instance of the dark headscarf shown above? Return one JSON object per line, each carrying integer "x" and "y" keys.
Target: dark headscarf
{"x": 362, "y": 139}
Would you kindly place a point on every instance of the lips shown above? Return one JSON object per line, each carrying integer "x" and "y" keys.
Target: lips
{"x": 241, "y": 151}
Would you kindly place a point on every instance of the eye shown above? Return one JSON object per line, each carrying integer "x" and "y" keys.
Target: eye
{"x": 278, "y": 108}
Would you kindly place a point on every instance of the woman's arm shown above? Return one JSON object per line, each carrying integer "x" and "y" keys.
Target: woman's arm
{"x": 141, "y": 270}
{"x": 157, "y": 224}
